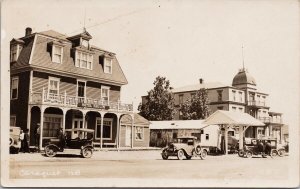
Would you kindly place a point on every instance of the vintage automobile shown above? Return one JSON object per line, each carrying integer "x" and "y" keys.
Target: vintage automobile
{"x": 82, "y": 142}
{"x": 184, "y": 147}
{"x": 14, "y": 140}
{"x": 258, "y": 147}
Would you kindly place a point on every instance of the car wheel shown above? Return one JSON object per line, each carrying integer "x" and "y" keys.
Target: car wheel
{"x": 11, "y": 141}
{"x": 203, "y": 154}
{"x": 241, "y": 153}
{"x": 198, "y": 150}
{"x": 180, "y": 154}
{"x": 248, "y": 154}
{"x": 50, "y": 151}
{"x": 164, "y": 154}
{"x": 281, "y": 152}
{"x": 274, "y": 153}
{"x": 87, "y": 152}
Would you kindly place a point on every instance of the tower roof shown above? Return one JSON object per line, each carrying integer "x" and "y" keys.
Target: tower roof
{"x": 243, "y": 77}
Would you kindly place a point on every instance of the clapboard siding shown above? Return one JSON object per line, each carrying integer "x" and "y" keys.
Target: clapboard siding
{"x": 93, "y": 92}
{"x": 114, "y": 95}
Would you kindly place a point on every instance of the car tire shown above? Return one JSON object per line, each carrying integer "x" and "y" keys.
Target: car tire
{"x": 87, "y": 152}
{"x": 180, "y": 154}
{"x": 164, "y": 154}
{"x": 203, "y": 154}
{"x": 11, "y": 141}
{"x": 281, "y": 152}
{"x": 50, "y": 151}
{"x": 274, "y": 153}
{"x": 198, "y": 150}
{"x": 248, "y": 154}
{"x": 241, "y": 153}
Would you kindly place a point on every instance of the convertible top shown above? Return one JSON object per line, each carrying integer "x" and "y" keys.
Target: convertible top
{"x": 81, "y": 130}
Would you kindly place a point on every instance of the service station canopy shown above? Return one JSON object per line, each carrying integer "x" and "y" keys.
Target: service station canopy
{"x": 233, "y": 119}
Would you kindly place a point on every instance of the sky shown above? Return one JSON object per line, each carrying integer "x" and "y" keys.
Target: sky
{"x": 181, "y": 40}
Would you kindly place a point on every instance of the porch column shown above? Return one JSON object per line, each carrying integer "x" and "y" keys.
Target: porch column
{"x": 64, "y": 120}
{"x": 42, "y": 127}
{"x": 226, "y": 140}
{"x": 241, "y": 137}
{"x": 132, "y": 124}
{"x": 28, "y": 118}
{"x": 83, "y": 119}
{"x": 101, "y": 129}
{"x": 118, "y": 131}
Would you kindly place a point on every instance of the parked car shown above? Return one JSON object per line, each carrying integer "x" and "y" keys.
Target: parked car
{"x": 258, "y": 147}
{"x": 83, "y": 143}
{"x": 14, "y": 140}
{"x": 184, "y": 147}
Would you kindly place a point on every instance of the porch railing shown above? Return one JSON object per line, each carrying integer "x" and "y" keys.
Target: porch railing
{"x": 270, "y": 120}
{"x": 73, "y": 101}
{"x": 257, "y": 103}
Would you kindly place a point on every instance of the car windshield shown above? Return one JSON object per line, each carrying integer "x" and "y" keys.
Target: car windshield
{"x": 79, "y": 135}
{"x": 184, "y": 140}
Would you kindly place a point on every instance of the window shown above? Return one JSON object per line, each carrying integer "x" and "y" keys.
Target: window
{"x": 139, "y": 133}
{"x": 241, "y": 109}
{"x": 206, "y": 136}
{"x": 193, "y": 95}
{"x": 14, "y": 52}
{"x": 220, "y": 107}
{"x": 13, "y": 119}
{"x": 175, "y": 135}
{"x": 108, "y": 65}
{"x": 107, "y": 128}
{"x": 241, "y": 96}
{"x": 84, "y": 43}
{"x": 57, "y": 52}
{"x": 219, "y": 95}
{"x": 105, "y": 94}
{"x": 180, "y": 99}
{"x": 260, "y": 132}
{"x": 234, "y": 95}
{"x": 158, "y": 135}
{"x": 52, "y": 123}
{"x": 84, "y": 60}
{"x": 14, "y": 87}
{"x": 53, "y": 87}
{"x": 233, "y": 108}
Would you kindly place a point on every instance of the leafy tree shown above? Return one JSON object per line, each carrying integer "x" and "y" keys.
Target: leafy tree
{"x": 197, "y": 107}
{"x": 159, "y": 103}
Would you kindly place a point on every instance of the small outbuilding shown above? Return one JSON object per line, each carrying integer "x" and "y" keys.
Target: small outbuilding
{"x": 163, "y": 132}
{"x": 136, "y": 134}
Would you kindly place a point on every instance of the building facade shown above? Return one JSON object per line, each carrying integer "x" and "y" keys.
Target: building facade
{"x": 241, "y": 96}
{"x": 64, "y": 82}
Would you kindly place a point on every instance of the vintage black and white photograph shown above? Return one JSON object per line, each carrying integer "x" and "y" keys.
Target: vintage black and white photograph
{"x": 153, "y": 93}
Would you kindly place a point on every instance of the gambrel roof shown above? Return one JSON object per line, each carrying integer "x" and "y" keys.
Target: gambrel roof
{"x": 35, "y": 54}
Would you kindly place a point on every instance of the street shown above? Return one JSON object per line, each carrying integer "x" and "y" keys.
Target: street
{"x": 146, "y": 164}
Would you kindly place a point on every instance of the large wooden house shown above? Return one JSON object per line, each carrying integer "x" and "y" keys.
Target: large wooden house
{"x": 65, "y": 82}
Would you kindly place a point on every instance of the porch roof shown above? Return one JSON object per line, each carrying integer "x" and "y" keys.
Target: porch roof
{"x": 138, "y": 120}
{"x": 221, "y": 117}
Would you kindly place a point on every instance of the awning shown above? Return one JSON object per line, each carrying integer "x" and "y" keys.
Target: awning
{"x": 221, "y": 117}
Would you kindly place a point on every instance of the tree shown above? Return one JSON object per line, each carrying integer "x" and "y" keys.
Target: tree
{"x": 159, "y": 103}
{"x": 196, "y": 107}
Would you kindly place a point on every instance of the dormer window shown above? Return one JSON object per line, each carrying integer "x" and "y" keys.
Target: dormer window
{"x": 57, "y": 54}
{"x": 85, "y": 43}
{"x": 15, "y": 52}
{"x": 108, "y": 65}
{"x": 84, "y": 60}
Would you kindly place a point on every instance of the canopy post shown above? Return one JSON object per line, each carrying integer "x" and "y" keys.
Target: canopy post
{"x": 241, "y": 136}
{"x": 226, "y": 139}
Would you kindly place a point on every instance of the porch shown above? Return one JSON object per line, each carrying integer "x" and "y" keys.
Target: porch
{"x": 67, "y": 101}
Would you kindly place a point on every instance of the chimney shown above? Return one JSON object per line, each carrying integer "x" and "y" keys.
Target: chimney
{"x": 28, "y": 31}
{"x": 201, "y": 81}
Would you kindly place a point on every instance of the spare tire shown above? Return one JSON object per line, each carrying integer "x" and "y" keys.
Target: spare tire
{"x": 198, "y": 150}
{"x": 11, "y": 141}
